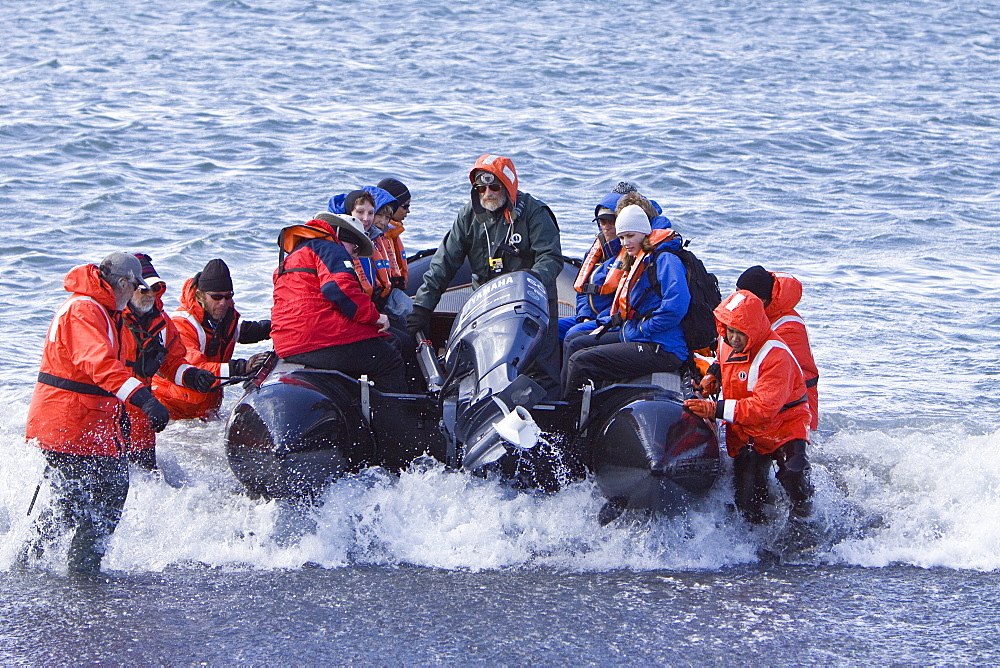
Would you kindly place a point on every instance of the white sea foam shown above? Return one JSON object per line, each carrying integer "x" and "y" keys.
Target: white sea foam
{"x": 912, "y": 496}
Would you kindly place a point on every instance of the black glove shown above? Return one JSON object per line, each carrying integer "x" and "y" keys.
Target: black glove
{"x": 419, "y": 321}
{"x": 256, "y": 362}
{"x": 237, "y": 368}
{"x": 154, "y": 410}
{"x": 253, "y": 331}
{"x": 198, "y": 380}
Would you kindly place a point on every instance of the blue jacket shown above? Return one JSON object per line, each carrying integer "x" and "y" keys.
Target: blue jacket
{"x": 658, "y": 314}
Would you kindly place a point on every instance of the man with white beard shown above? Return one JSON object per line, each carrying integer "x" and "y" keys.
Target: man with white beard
{"x": 154, "y": 347}
{"x": 500, "y": 230}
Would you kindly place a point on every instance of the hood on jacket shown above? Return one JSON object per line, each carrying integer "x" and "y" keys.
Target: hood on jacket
{"x": 502, "y": 168}
{"x": 188, "y": 302}
{"x": 85, "y": 279}
{"x": 785, "y": 295}
{"x": 381, "y": 197}
{"x": 743, "y": 310}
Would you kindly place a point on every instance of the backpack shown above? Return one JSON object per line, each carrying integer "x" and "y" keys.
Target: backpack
{"x": 699, "y": 322}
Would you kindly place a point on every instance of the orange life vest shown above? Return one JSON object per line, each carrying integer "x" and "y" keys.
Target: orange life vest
{"x": 383, "y": 261}
{"x": 623, "y": 294}
{"x": 393, "y": 232}
{"x": 594, "y": 258}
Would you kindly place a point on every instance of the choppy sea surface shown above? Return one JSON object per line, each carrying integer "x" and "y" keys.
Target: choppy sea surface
{"x": 853, "y": 144}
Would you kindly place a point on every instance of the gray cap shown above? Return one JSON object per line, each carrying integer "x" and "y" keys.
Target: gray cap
{"x": 123, "y": 265}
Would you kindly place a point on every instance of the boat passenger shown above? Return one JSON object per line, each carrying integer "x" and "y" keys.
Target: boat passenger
{"x": 765, "y": 408}
{"x": 499, "y": 230}
{"x": 576, "y": 337}
{"x": 594, "y": 292}
{"x": 381, "y": 272}
{"x": 780, "y": 293}
{"x": 210, "y": 328}
{"x": 76, "y": 414}
{"x": 650, "y": 338}
{"x": 321, "y": 316}
{"x": 395, "y": 228}
{"x": 154, "y": 347}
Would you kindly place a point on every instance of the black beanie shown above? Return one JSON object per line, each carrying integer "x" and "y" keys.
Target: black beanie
{"x": 215, "y": 277}
{"x": 395, "y": 188}
{"x": 757, "y": 280}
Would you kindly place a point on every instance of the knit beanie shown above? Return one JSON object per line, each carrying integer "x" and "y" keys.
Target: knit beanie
{"x": 351, "y": 198}
{"x": 215, "y": 277}
{"x": 148, "y": 271}
{"x": 757, "y": 280}
{"x": 395, "y": 188}
{"x": 632, "y": 219}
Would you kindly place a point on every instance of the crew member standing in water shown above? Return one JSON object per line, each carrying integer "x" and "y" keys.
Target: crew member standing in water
{"x": 781, "y": 293}
{"x": 500, "y": 230}
{"x": 155, "y": 347}
{"x": 76, "y": 412}
{"x": 210, "y": 328}
{"x": 765, "y": 408}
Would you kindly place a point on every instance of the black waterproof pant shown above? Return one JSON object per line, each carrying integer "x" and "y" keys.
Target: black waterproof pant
{"x": 376, "y": 357}
{"x": 751, "y": 469}
{"x": 89, "y": 493}
{"x": 614, "y": 361}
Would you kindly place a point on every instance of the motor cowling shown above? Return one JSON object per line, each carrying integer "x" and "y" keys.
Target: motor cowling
{"x": 493, "y": 341}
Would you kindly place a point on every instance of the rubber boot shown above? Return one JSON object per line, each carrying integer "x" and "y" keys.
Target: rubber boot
{"x": 793, "y": 475}
{"x": 750, "y": 470}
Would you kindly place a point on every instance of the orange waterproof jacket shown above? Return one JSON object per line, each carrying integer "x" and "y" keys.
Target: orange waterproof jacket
{"x": 76, "y": 407}
{"x": 206, "y": 349}
{"x": 788, "y": 324}
{"x": 149, "y": 335}
{"x": 765, "y": 394}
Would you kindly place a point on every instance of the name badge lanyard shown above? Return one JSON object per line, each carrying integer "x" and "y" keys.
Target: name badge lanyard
{"x": 496, "y": 263}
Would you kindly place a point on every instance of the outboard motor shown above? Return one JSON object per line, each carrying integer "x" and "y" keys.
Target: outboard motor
{"x": 493, "y": 340}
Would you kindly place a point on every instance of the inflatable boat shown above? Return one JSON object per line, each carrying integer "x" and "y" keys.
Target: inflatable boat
{"x": 297, "y": 429}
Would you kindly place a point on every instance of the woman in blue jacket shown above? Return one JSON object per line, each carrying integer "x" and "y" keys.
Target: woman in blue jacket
{"x": 651, "y": 300}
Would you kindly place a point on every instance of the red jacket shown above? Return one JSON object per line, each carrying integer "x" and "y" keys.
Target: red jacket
{"x": 318, "y": 301}
{"x": 157, "y": 334}
{"x": 786, "y": 323}
{"x": 765, "y": 393}
{"x": 76, "y": 407}
{"x": 205, "y": 348}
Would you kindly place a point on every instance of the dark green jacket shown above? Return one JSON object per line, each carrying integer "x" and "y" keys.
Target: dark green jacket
{"x": 534, "y": 233}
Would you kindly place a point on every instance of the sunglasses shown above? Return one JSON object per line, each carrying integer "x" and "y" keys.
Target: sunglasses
{"x": 156, "y": 287}
{"x": 219, "y": 296}
{"x": 495, "y": 187}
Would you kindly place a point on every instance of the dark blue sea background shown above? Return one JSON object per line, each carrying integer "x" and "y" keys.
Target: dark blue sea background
{"x": 854, "y": 144}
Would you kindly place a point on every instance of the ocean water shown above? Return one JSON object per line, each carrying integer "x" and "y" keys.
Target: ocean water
{"x": 853, "y": 144}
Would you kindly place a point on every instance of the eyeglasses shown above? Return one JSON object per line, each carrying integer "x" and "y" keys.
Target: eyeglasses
{"x": 219, "y": 296}
{"x": 495, "y": 187}
{"x": 156, "y": 287}
{"x": 406, "y": 206}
